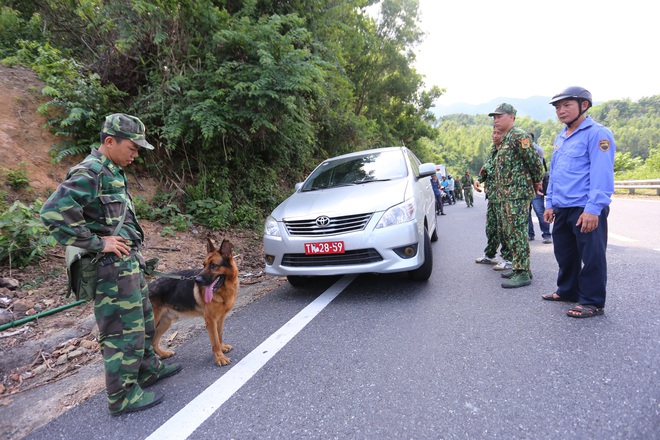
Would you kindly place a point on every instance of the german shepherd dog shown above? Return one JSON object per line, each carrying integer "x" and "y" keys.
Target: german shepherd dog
{"x": 210, "y": 293}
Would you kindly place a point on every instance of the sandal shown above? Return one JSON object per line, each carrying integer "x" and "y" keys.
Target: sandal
{"x": 585, "y": 311}
{"x": 554, "y": 297}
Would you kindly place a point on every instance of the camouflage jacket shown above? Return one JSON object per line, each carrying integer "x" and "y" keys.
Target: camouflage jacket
{"x": 487, "y": 177}
{"x": 514, "y": 168}
{"x": 89, "y": 204}
{"x": 467, "y": 181}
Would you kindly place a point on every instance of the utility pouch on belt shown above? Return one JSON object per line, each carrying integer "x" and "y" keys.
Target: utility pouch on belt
{"x": 82, "y": 268}
{"x": 150, "y": 266}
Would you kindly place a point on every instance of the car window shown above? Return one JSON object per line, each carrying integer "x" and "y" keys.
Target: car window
{"x": 357, "y": 170}
{"x": 415, "y": 162}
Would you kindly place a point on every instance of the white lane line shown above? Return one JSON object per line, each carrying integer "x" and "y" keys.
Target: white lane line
{"x": 190, "y": 417}
{"x": 621, "y": 238}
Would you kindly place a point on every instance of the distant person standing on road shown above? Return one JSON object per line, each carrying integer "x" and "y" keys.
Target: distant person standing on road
{"x": 458, "y": 191}
{"x": 538, "y": 204}
{"x": 493, "y": 229}
{"x": 437, "y": 191}
{"x": 466, "y": 183}
{"x": 578, "y": 199}
{"x": 450, "y": 189}
{"x": 517, "y": 174}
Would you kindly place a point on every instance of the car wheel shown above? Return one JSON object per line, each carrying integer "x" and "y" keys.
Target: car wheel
{"x": 423, "y": 272}
{"x": 297, "y": 281}
{"x": 434, "y": 236}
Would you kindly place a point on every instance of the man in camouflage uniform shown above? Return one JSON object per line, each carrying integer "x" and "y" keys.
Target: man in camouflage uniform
{"x": 84, "y": 212}
{"x": 517, "y": 175}
{"x": 493, "y": 229}
{"x": 466, "y": 183}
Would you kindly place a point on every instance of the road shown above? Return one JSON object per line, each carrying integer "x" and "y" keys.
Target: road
{"x": 380, "y": 357}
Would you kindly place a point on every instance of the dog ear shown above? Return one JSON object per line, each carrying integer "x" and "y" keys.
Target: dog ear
{"x": 210, "y": 246}
{"x": 226, "y": 248}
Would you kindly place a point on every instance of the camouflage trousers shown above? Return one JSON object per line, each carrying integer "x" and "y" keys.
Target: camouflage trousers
{"x": 469, "y": 196}
{"x": 126, "y": 328}
{"x": 458, "y": 193}
{"x": 513, "y": 217}
{"x": 494, "y": 231}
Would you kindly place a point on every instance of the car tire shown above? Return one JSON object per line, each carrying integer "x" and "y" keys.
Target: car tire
{"x": 434, "y": 236}
{"x": 423, "y": 272}
{"x": 297, "y": 281}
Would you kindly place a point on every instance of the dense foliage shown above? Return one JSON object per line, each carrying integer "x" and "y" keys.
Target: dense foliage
{"x": 241, "y": 98}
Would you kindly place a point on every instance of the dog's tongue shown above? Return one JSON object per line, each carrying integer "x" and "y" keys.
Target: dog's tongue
{"x": 208, "y": 292}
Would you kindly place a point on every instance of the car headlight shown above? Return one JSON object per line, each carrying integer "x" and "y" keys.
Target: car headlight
{"x": 402, "y": 213}
{"x": 271, "y": 227}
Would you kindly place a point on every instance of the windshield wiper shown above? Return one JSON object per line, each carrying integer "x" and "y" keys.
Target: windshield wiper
{"x": 357, "y": 182}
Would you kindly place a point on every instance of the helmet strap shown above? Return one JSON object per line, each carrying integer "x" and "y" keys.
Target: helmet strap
{"x": 580, "y": 101}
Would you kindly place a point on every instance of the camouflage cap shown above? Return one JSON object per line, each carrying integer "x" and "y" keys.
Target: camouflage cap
{"x": 127, "y": 127}
{"x": 502, "y": 109}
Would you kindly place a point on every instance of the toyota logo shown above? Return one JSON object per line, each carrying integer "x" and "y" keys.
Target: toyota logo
{"x": 322, "y": 221}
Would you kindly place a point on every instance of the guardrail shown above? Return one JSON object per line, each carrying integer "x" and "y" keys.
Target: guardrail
{"x": 632, "y": 185}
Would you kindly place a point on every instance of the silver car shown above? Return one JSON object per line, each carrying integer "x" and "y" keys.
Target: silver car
{"x": 371, "y": 211}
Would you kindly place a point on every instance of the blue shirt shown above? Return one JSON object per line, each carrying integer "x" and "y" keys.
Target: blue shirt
{"x": 582, "y": 168}
{"x": 436, "y": 186}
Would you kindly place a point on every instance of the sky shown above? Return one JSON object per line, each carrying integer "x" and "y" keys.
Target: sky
{"x": 479, "y": 50}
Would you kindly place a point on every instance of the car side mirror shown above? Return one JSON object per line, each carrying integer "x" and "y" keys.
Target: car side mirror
{"x": 426, "y": 169}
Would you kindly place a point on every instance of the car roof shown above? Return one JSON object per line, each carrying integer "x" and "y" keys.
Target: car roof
{"x": 373, "y": 150}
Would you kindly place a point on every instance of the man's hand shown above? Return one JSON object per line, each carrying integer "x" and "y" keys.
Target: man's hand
{"x": 115, "y": 244}
{"x": 589, "y": 222}
{"x": 538, "y": 187}
{"x": 549, "y": 215}
{"x": 476, "y": 185}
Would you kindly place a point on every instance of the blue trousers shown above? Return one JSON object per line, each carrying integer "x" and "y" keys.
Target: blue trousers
{"x": 581, "y": 257}
{"x": 538, "y": 206}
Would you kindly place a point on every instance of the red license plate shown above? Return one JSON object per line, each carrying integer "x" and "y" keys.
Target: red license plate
{"x": 326, "y": 247}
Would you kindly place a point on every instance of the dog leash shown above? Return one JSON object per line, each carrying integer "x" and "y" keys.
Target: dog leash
{"x": 150, "y": 269}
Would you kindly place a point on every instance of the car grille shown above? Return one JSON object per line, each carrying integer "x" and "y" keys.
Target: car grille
{"x": 336, "y": 225}
{"x": 360, "y": 256}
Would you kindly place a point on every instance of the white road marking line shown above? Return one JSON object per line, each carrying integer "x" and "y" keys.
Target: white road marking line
{"x": 622, "y": 238}
{"x": 190, "y": 417}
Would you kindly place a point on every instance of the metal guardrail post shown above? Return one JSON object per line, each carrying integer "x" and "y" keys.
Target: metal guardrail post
{"x": 632, "y": 185}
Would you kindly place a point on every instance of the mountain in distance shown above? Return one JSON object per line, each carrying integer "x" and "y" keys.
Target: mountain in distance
{"x": 536, "y": 107}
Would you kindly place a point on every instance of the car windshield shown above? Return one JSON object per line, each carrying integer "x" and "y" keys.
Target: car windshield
{"x": 356, "y": 170}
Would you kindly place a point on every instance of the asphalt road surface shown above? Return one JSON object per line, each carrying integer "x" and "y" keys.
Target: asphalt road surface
{"x": 458, "y": 357}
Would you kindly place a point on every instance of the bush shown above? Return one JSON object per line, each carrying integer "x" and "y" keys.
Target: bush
{"x": 23, "y": 238}
{"x": 17, "y": 179}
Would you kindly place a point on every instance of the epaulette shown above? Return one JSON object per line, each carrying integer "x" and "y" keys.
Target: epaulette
{"x": 93, "y": 164}
{"x": 96, "y": 166}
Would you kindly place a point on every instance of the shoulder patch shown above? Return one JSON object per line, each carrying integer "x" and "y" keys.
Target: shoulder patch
{"x": 525, "y": 144}
{"x": 604, "y": 145}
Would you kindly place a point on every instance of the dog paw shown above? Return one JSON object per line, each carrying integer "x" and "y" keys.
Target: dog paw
{"x": 222, "y": 360}
{"x": 164, "y": 354}
{"x": 226, "y": 348}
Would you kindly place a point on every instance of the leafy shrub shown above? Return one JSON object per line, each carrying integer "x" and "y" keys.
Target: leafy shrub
{"x": 13, "y": 28}
{"x": 17, "y": 179}
{"x": 169, "y": 215}
{"x": 23, "y": 238}
{"x": 209, "y": 212}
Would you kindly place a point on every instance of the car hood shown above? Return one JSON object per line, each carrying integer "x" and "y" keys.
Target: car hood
{"x": 345, "y": 200}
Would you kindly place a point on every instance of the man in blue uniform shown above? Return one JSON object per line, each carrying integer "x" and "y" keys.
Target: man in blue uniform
{"x": 578, "y": 198}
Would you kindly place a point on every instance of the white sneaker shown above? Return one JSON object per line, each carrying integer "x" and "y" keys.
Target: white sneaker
{"x": 503, "y": 265}
{"x": 485, "y": 260}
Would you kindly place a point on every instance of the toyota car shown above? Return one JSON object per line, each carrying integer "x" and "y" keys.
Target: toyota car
{"x": 371, "y": 211}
